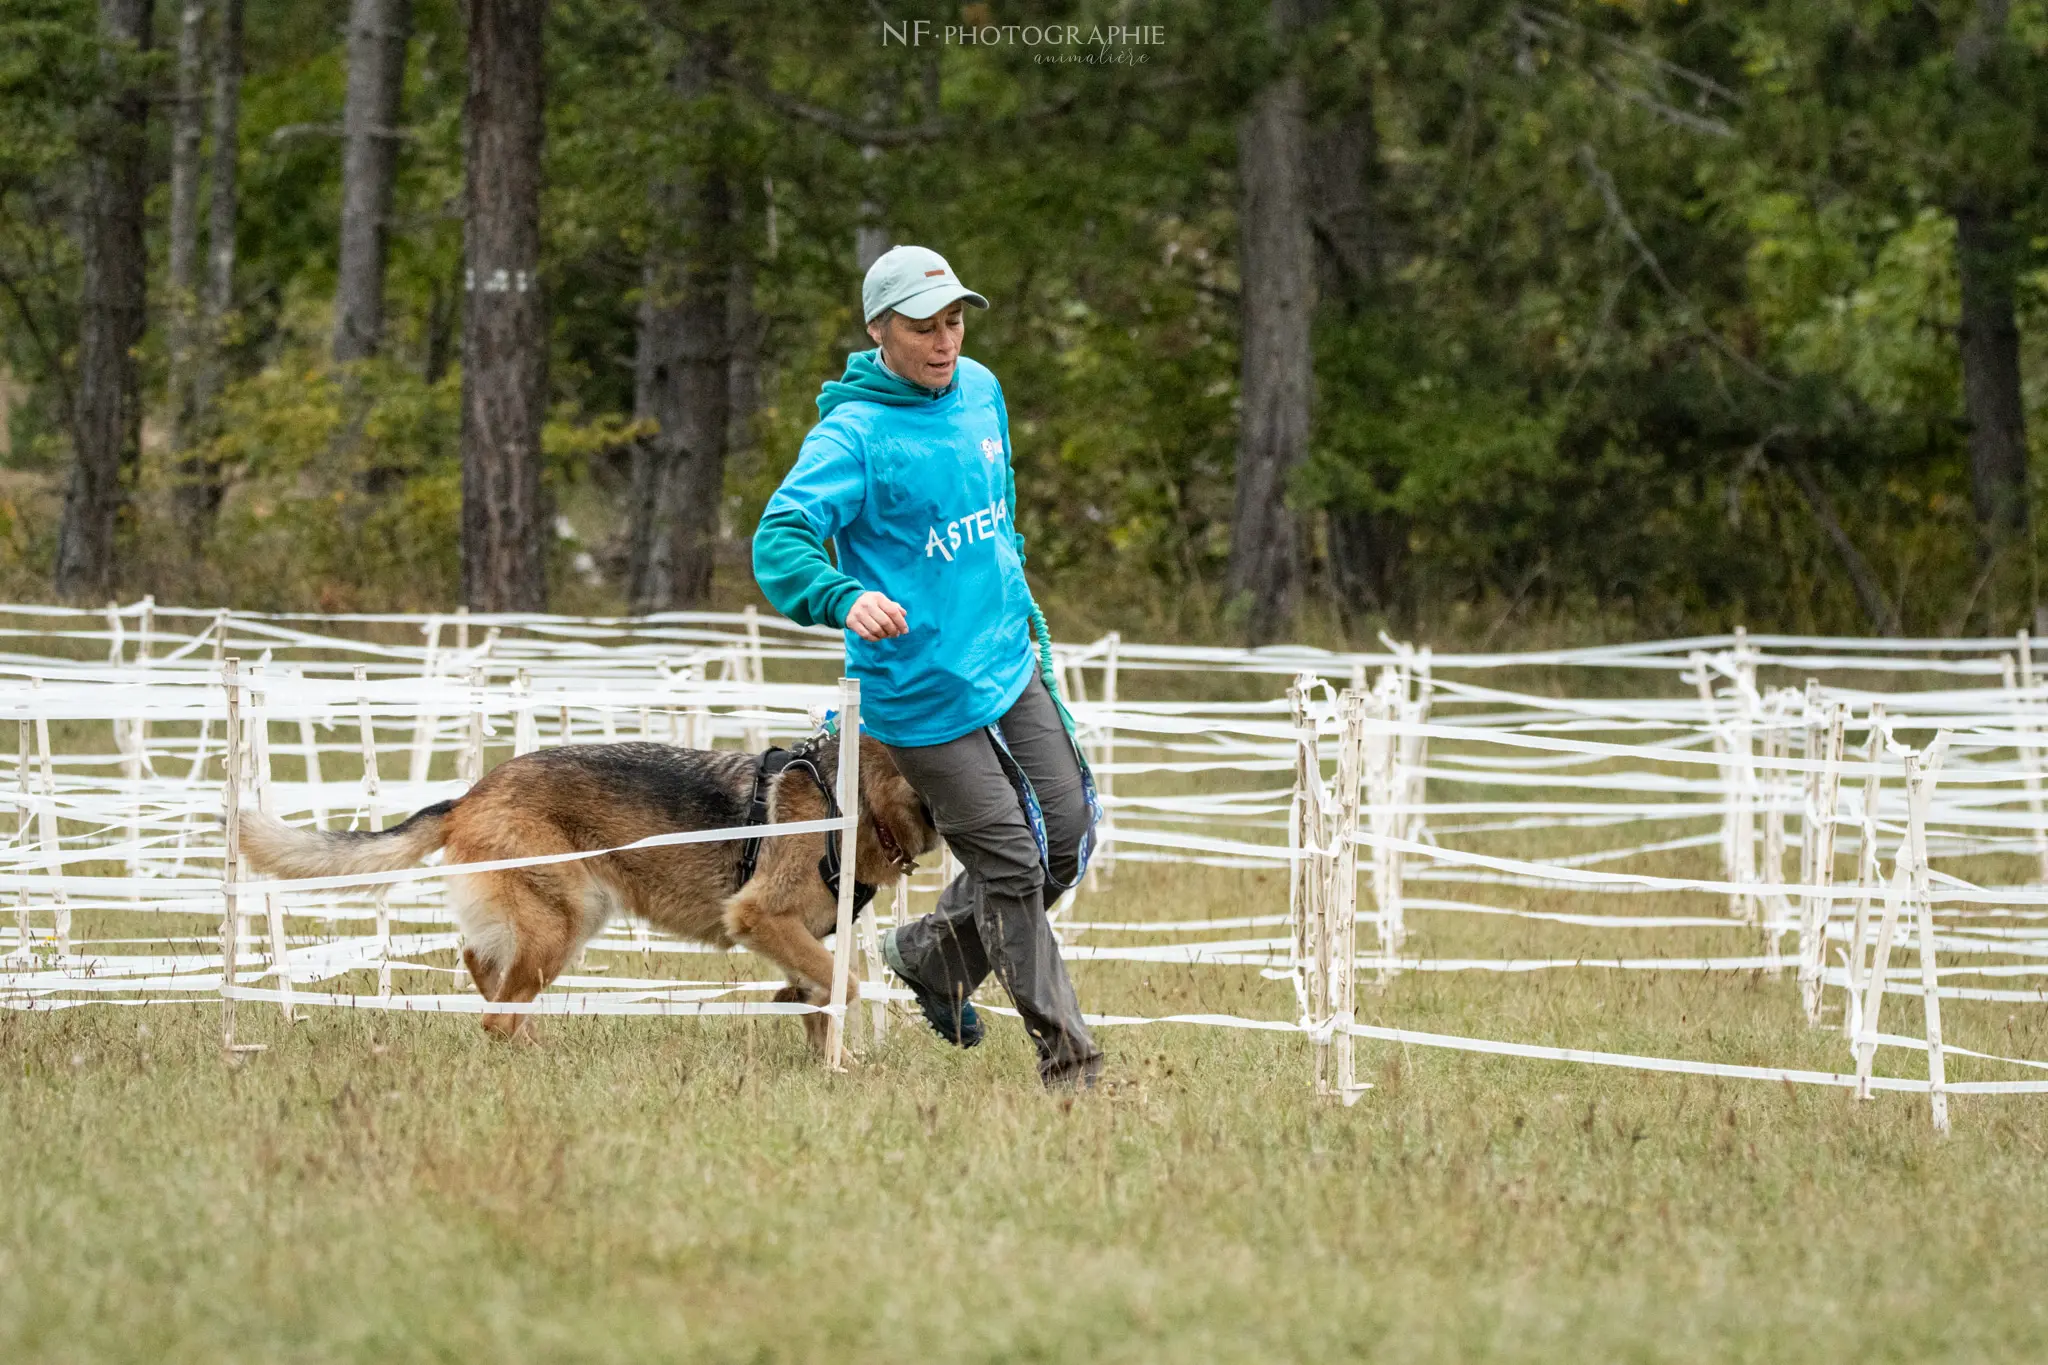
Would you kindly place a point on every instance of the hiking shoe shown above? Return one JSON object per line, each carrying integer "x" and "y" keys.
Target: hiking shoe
{"x": 958, "y": 1022}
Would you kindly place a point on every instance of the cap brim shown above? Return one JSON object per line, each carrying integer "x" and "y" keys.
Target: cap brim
{"x": 939, "y": 296}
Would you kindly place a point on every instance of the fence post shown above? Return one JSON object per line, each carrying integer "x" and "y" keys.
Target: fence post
{"x": 1880, "y": 965}
{"x": 231, "y": 854}
{"x": 310, "y": 742}
{"x": 1105, "y": 778}
{"x": 1309, "y": 881}
{"x": 1300, "y": 840}
{"x": 126, "y": 730}
{"x": 1744, "y": 843}
{"x": 425, "y": 722}
{"x": 1920, "y": 778}
{"x": 472, "y": 759}
{"x": 849, "y": 846}
{"x": 1867, "y": 875}
{"x": 23, "y": 804}
{"x": 1774, "y": 784}
{"x": 373, "y": 819}
{"x": 198, "y": 769}
{"x": 145, "y": 647}
{"x": 273, "y": 909}
{"x": 46, "y": 831}
{"x": 757, "y": 676}
{"x": 525, "y": 729}
{"x": 1387, "y": 784}
{"x": 1702, "y": 672}
{"x": 1817, "y": 845}
{"x": 871, "y": 970}
{"x": 1415, "y": 751}
{"x": 2030, "y": 753}
{"x": 1341, "y": 913}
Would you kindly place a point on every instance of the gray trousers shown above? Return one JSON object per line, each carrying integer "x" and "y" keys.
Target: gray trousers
{"x": 992, "y": 916}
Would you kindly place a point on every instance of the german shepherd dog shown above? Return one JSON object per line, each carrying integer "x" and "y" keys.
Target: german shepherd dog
{"x": 521, "y": 926}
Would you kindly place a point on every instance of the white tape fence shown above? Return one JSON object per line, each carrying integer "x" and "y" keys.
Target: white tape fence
{"x": 1839, "y": 786}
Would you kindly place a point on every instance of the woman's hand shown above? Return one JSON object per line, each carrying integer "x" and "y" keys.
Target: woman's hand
{"x": 874, "y": 617}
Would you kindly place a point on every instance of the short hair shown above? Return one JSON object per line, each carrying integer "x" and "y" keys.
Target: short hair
{"x": 881, "y": 319}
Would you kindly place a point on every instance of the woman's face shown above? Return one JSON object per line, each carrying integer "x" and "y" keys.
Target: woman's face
{"x": 924, "y": 350}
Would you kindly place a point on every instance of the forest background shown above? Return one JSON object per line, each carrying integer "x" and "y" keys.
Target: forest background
{"x": 1473, "y": 321}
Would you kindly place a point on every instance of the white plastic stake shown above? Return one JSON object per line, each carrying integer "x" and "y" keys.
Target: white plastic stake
{"x": 231, "y": 855}
{"x": 1387, "y": 784}
{"x": 525, "y": 728}
{"x": 426, "y": 721}
{"x": 2030, "y": 752}
{"x": 273, "y": 908}
{"x": 1919, "y": 799}
{"x": 46, "y": 830}
{"x": 472, "y": 757}
{"x": 1702, "y": 673}
{"x": 373, "y": 820}
{"x": 22, "y": 945}
{"x": 757, "y": 676}
{"x": 1301, "y": 841}
{"x": 310, "y": 743}
{"x": 871, "y": 964}
{"x": 1343, "y": 904}
{"x": 1895, "y": 891}
{"x": 849, "y": 846}
{"x": 1817, "y": 846}
{"x": 1867, "y": 875}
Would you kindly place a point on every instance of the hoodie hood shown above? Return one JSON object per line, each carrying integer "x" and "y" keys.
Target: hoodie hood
{"x": 867, "y": 380}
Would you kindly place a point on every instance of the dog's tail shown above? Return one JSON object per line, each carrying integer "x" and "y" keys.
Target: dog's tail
{"x": 284, "y": 850}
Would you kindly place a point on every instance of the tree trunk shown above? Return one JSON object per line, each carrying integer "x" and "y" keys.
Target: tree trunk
{"x": 107, "y": 416}
{"x": 199, "y": 484}
{"x": 682, "y": 383}
{"x": 505, "y": 524}
{"x": 377, "y": 33}
{"x": 1367, "y": 547}
{"x": 1989, "y": 250}
{"x": 1277, "y": 301}
{"x": 871, "y": 230}
{"x": 188, "y": 130}
{"x": 224, "y": 207}
{"x": 683, "y": 379}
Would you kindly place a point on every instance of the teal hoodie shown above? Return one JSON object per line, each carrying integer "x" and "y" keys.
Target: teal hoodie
{"x": 904, "y": 481}
{"x": 790, "y": 563}
{"x": 868, "y": 380}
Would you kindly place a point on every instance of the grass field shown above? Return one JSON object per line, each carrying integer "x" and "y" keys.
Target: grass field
{"x": 379, "y": 1187}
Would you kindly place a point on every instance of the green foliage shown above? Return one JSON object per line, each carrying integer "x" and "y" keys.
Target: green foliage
{"x": 1630, "y": 259}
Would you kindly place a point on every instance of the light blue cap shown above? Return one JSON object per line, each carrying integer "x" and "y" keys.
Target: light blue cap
{"x": 913, "y": 280}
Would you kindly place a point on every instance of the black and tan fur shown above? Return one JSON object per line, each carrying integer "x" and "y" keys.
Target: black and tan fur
{"x": 522, "y": 926}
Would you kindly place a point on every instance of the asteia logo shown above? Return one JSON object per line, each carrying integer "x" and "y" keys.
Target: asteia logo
{"x": 982, "y": 525}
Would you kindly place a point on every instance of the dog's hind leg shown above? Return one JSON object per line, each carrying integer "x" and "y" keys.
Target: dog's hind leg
{"x": 544, "y": 934}
{"x": 482, "y": 971}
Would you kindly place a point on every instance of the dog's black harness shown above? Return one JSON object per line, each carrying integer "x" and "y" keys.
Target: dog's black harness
{"x": 766, "y": 769}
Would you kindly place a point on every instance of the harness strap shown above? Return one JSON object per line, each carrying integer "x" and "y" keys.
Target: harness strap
{"x": 772, "y": 762}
